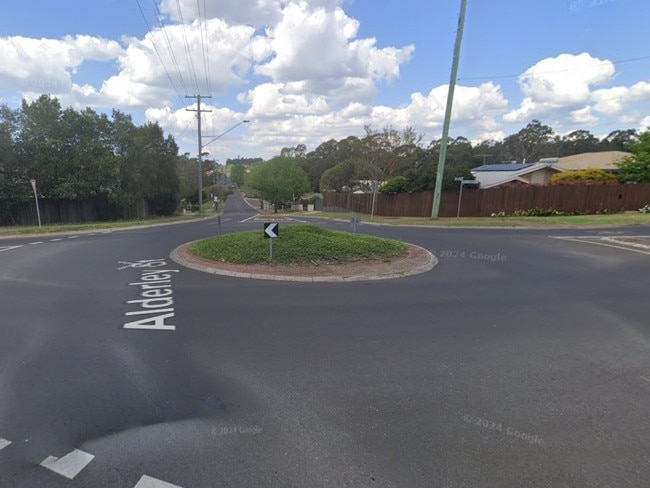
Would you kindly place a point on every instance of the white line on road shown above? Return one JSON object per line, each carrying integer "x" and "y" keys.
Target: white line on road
{"x": 69, "y": 465}
{"x": 592, "y": 240}
{"x": 35, "y": 243}
{"x": 249, "y": 218}
{"x": 8, "y": 248}
{"x": 73, "y": 237}
{"x": 647, "y": 379}
{"x": 149, "y": 482}
{"x": 56, "y": 240}
{"x": 4, "y": 443}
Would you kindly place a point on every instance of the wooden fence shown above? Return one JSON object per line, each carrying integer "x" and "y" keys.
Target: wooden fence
{"x": 73, "y": 211}
{"x": 588, "y": 199}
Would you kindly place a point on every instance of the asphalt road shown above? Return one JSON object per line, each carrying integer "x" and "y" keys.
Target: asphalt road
{"x": 521, "y": 360}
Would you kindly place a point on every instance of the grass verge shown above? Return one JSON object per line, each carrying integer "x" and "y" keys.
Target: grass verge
{"x": 297, "y": 244}
{"x": 562, "y": 221}
{"x": 91, "y": 226}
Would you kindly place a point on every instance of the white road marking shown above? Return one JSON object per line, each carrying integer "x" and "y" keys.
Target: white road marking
{"x": 56, "y": 240}
{"x": 69, "y": 465}
{"x": 35, "y": 243}
{"x": 594, "y": 240}
{"x": 73, "y": 237}
{"x": 8, "y": 248}
{"x": 249, "y": 218}
{"x": 149, "y": 482}
{"x": 4, "y": 443}
{"x": 647, "y": 379}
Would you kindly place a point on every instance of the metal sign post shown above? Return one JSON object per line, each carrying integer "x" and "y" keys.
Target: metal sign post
{"x": 463, "y": 182}
{"x": 271, "y": 231}
{"x": 38, "y": 210}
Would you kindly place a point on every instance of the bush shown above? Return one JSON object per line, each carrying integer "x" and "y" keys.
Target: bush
{"x": 583, "y": 176}
{"x": 537, "y": 212}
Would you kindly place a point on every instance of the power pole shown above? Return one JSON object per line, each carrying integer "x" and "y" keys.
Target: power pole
{"x": 450, "y": 98}
{"x": 200, "y": 158}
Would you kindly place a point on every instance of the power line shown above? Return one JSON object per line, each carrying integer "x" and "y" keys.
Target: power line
{"x": 188, "y": 51}
{"x": 163, "y": 29}
{"x": 500, "y": 77}
{"x": 153, "y": 43}
{"x": 204, "y": 42}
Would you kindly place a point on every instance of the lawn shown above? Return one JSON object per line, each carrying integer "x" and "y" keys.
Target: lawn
{"x": 297, "y": 244}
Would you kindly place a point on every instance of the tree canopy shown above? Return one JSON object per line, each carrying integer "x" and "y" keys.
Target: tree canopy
{"x": 637, "y": 167}
{"x": 79, "y": 155}
{"x": 279, "y": 180}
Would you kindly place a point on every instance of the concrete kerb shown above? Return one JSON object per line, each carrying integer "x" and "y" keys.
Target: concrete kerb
{"x": 418, "y": 261}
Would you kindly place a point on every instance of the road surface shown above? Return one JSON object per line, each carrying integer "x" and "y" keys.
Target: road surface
{"x": 522, "y": 359}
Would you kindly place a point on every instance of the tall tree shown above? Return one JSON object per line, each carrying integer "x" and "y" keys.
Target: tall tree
{"x": 618, "y": 140}
{"x": 531, "y": 143}
{"x": 279, "y": 180}
{"x": 578, "y": 142}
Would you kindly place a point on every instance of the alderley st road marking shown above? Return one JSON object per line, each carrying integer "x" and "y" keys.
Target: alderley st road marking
{"x": 149, "y": 482}
{"x": 156, "y": 295}
{"x": 69, "y": 465}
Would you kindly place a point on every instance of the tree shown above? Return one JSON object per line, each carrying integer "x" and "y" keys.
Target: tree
{"x": 237, "y": 174}
{"x": 341, "y": 176}
{"x": 637, "y": 167}
{"x": 531, "y": 143}
{"x": 279, "y": 180}
{"x": 578, "y": 142}
{"x": 618, "y": 140}
{"x": 14, "y": 189}
{"x": 327, "y": 155}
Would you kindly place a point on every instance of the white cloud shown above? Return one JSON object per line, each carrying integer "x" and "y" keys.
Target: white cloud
{"x": 557, "y": 83}
{"x": 318, "y": 47}
{"x": 583, "y": 116}
{"x": 251, "y": 12}
{"x": 273, "y": 99}
{"x": 645, "y": 124}
{"x": 258, "y": 13}
{"x": 30, "y": 65}
{"x": 475, "y": 108}
{"x": 616, "y": 99}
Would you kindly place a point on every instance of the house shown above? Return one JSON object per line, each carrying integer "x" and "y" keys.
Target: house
{"x": 604, "y": 160}
{"x": 493, "y": 175}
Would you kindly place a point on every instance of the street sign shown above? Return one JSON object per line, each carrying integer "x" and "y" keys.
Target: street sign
{"x": 271, "y": 230}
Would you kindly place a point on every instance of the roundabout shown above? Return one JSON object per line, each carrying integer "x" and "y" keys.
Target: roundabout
{"x": 417, "y": 260}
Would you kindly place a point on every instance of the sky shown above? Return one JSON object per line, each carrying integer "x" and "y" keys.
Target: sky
{"x": 304, "y": 72}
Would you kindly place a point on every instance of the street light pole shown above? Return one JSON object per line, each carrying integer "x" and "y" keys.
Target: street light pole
{"x": 245, "y": 121}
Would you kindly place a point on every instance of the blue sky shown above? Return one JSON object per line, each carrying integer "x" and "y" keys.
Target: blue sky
{"x": 305, "y": 72}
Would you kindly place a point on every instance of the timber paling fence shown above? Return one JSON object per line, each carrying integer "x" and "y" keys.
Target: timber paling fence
{"x": 74, "y": 211}
{"x": 570, "y": 199}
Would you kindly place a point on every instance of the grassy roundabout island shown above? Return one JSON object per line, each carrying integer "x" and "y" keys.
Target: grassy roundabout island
{"x": 296, "y": 245}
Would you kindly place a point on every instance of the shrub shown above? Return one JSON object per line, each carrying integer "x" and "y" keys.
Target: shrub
{"x": 537, "y": 212}
{"x": 585, "y": 176}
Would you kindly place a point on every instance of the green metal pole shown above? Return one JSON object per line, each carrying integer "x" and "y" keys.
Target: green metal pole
{"x": 450, "y": 99}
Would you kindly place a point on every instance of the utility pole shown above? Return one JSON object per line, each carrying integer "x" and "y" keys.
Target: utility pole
{"x": 198, "y": 117}
{"x": 450, "y": 98}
